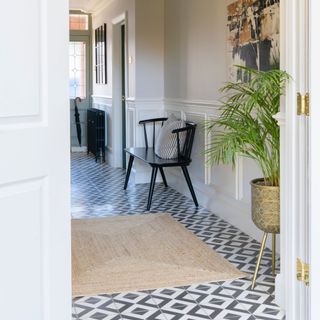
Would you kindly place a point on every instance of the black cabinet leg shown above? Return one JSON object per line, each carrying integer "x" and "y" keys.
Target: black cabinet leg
{"x": 152, "y": 183}
{"x": 186, "y": 175}
{"x": 163, "y": 177}
{"x": 128, "y": 172}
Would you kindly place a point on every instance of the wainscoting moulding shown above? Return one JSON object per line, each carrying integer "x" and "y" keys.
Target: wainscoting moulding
{"x": 150, "y": 103}
{"x": 205, "y": 105}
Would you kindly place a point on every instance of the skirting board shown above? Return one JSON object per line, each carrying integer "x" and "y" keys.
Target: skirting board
{"x": 141, "y": 173}
{"x": 79, "y": 149}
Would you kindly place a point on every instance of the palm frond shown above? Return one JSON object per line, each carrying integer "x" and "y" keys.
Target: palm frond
{"x": 246, "y": 126}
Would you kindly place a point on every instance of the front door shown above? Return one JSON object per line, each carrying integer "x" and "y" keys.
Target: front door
{"x": 35, "y": 268}
{"x": 79, "y": 86}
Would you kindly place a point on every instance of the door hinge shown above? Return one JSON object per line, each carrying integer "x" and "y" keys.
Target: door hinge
{"x": 302, "y": 272}
{"x": 303, "y": 104}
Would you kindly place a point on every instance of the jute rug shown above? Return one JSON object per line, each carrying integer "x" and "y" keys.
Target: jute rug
{"x": 131, "y": 253}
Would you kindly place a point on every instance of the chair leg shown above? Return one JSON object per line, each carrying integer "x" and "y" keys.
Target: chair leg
{"x": 263, "y": 244}
{"x": 186, "y": 175}
{"x": 273, "y": 254}
{"x": 152, "y": 183}
{"x": 128, "y": 172}
{"x": 163, "y": 177}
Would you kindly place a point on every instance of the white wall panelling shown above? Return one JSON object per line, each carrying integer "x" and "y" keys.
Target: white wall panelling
{"x": 136, "y": 110}
{"x": 224, "y": 190}
{"x": 141, "y": 109}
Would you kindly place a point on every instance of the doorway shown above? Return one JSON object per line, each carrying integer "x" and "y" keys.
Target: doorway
{"x": 123, "y": 94}
{"x": 119, "y": 90}
{"x": 79, "y": 87}
{"x": 80, "y": 77}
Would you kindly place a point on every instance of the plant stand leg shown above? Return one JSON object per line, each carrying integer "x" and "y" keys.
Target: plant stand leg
{"x": 263, "y": 244}
{"x": 274, "y": 254}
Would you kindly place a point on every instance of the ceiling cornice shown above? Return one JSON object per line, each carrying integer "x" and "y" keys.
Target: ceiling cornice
{"x": 101, "y": 5}
{"x": 90, "y": 6}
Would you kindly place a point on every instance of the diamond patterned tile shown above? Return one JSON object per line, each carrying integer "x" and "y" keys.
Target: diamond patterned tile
{"x": 97, "y": 191}
{"x": 177, "y": 303}
{"x": 99, "y": 307}
{"x": 137, "y": 305}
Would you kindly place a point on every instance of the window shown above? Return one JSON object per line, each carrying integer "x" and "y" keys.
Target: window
{"x": 79, "y": 22}
{"x": 101, "y": 54}
{"x": 77, "y": 69}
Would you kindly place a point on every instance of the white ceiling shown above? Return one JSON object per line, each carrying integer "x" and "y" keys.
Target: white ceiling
{"x": 88, "y": 5}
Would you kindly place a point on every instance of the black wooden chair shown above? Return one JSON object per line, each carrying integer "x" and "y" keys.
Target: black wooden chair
{"x": 148, "y": 155}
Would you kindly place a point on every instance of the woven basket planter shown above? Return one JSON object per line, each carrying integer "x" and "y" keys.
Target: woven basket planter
{"x": 265, "y": 206}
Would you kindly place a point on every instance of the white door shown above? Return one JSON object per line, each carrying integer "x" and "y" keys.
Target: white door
{"x": 34, "y": 161}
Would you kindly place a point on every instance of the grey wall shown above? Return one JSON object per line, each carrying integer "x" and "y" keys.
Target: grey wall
{"x": 195, "y": 48}
{"x": 196, "y": 64}
{"x": 149, "y": 49}
{"x": 179, "y": 62}
{"x": 112, "y": 11}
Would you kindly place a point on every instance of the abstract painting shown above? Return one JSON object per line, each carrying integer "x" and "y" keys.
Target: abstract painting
{"x": 254, "y": 37}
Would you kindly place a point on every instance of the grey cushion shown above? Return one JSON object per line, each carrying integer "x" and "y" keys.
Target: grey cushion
{"x": 166, "y": 142}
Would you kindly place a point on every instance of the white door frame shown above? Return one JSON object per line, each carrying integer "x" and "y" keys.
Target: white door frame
{"x": 117, "y": 86}
{"x": 314, "y": 160}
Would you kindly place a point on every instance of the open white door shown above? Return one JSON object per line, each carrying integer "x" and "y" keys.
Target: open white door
{"x": 300, "y": 164}
{"x": 34, "y": 161}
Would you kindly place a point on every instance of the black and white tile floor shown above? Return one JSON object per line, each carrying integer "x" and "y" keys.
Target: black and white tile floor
{"x": 97, "y": 191}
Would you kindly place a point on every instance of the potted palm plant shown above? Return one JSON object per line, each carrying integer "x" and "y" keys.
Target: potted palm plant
{"x": 246, "y": 127}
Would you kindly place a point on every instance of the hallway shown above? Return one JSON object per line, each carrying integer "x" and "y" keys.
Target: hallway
{"x": 97, "y": 191}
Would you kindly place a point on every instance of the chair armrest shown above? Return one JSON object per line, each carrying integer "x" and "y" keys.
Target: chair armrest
{"x": 188, "y": 127}
{"x": 152, "y": 120}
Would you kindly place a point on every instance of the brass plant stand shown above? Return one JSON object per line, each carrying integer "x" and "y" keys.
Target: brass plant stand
{"x": 263, "y": 245}
{"x": 266, "y": 216}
